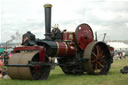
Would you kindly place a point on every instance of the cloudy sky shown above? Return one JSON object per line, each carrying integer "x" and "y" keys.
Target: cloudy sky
{"x": 104, "y": 16}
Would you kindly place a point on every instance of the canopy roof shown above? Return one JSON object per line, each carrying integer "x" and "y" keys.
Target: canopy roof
{"x": 118, "y": 45}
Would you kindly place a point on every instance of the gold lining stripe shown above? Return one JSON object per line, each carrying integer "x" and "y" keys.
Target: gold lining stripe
{"x": 68, "y": 40}
{"x": 47, "y": 5}
{"x": 57, "y": 48}
{"x": 66, "y": 48}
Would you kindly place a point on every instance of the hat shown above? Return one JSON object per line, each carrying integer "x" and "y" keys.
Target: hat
{"x": 55, "y": 26}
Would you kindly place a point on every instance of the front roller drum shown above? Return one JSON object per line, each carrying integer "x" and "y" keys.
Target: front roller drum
{"x": 27, "y": 73}
{"x": 97, "y": 58}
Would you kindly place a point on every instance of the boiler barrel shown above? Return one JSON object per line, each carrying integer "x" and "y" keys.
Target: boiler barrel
{"x": 59, "y": 49}
{"x": 64, "y": 49}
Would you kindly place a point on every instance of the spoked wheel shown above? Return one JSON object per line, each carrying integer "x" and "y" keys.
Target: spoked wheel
{"x": 98, "y": 58}
{"x": 27, "y": 73}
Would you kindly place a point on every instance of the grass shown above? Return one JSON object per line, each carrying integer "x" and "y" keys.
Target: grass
{"x": 57, "y": 77}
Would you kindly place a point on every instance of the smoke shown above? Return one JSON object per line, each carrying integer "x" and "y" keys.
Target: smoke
{"x": 16, "y": 36}
{"x": 12, "y": 38}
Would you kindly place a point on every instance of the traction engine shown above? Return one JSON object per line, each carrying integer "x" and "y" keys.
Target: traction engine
{"x": 76, "y": 52}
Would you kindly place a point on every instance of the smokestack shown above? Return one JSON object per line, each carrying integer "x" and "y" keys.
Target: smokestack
{"x": 47, "y": 9}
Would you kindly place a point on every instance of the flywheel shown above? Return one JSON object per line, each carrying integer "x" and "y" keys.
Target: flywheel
{"x": 97, "y": 58}
{"x": 27, "y": 73}
{"x": 83, "y": 36}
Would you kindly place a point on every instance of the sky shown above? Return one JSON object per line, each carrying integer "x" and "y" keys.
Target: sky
{"x": 104, "y": 16}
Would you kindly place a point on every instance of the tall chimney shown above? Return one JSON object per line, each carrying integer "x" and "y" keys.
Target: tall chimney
{"x": 47, "y": 10}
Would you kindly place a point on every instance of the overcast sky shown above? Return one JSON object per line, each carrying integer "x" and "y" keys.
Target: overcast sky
{"x": 104, "y": 16}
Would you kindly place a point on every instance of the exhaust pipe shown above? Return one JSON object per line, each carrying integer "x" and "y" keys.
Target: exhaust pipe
{"x": 47, "y": 10}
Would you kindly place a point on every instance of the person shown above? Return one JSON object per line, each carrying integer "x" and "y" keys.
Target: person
{"x": 120, "y": 54}
{"x": 28, "y": 39}
{"x": 1, "y": 63}
{"x": 3, "y": 72}
{"x": 56, "y": 33}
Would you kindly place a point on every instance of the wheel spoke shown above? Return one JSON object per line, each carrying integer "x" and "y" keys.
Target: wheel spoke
{"x": 97, "y": 49}
{"x": 93, "y": 61}
{"x": 101, "y": 53}
{"x": 103, "y": 61}
{"x": 101, "y": 65}
{"x": 96, "y": 68}
{"x": 94, "y": 54}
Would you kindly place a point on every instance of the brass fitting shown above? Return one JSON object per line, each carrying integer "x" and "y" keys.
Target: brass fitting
{"x": 47, "y": 5}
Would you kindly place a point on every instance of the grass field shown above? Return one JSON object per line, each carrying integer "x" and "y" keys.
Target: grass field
{"x": 57, "y": 77}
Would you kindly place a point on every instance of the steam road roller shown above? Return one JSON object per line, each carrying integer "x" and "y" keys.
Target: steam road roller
{"x": 76, "y": 52}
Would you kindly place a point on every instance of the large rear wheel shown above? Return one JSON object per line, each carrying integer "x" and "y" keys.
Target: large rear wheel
{"x": 97, "y": 58}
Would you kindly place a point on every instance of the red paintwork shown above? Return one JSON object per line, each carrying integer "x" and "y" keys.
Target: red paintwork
{"x": 65, "y": 49}
{"x": 68, "y": 36}
{"x": 71, "y": 49}
{"x": 61, "y": 49}
{"x": 40, "y": 48}
{"x": 84, "y": 35}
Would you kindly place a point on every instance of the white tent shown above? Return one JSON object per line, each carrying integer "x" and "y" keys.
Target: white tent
{"x": 118, "y": 45}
